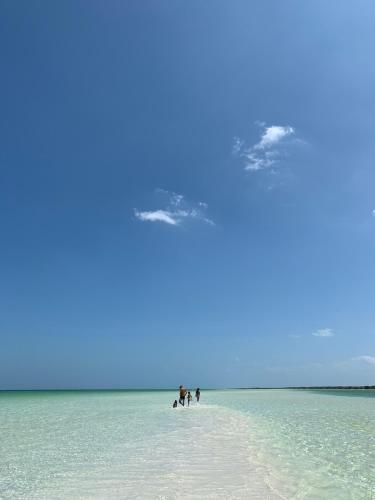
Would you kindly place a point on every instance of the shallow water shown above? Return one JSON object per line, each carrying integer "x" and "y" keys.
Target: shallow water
{"x": 317, "y": 444}
{"x": 235, "y": 444}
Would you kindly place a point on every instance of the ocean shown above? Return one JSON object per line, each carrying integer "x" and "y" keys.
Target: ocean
{"x": 253, "y": 444}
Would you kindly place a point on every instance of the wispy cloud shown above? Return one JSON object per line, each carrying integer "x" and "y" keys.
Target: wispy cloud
{"x": 267, "y": 151}
{"x": 177, "y": 209}
{"x": 323, "y": 332}
{"x": 237, "y": 145}
{"x": 156, "y": 215}
{"x": 272, "y": 135}
{"x": 293, "y": 336}
{"x": 369, "y": 360}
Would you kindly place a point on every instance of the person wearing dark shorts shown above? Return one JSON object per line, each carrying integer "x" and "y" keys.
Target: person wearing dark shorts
{"x": 183, "y": 392}
{"x": 198, "y": 394}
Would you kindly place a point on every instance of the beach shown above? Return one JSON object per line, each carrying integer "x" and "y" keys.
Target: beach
{"x": 261, "y": 444}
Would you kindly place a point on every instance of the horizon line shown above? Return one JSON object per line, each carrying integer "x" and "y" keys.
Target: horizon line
{"x": 366, "y": 387}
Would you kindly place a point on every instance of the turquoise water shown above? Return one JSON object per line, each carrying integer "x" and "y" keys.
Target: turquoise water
{"x": 263, "y": 444}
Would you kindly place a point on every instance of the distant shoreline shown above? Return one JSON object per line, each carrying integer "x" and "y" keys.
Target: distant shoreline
{"x": 318, "y": 387}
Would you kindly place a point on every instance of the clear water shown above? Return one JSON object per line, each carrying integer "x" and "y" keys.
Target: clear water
{"x": 259, "y": 444}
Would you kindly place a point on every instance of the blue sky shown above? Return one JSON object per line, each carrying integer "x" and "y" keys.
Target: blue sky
{"x": 187, "y": 193}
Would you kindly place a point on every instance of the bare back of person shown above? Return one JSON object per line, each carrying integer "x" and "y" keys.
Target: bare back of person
{"x": 183, "y": 392}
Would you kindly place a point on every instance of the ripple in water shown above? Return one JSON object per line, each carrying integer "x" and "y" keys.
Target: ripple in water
{"x": 238, "y": 444}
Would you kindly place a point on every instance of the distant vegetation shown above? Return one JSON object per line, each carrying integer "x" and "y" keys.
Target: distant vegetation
{"x": 335, "y": 387}
{"x": 317, "y": 387}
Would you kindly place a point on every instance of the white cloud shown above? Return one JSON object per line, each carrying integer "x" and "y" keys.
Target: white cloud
{"x": 369, "y": 360}
{"x": 272, "y": 135}
{"x": 324, "y": 332}
{"x": 256, "y": 162}
{"x": 266, "y": 151}
{"x": 156, "y": 215}
{"x": 177, "y": 209}
{"x": 373, "y": 213}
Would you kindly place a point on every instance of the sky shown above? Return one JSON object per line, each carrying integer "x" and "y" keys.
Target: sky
{"x": 187, "y": 193}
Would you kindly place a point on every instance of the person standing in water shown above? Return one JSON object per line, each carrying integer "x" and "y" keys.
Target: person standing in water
{"x": 198, "y": 394}
{"x": 183, "y": 392}
{"x": 190, "y": 397}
